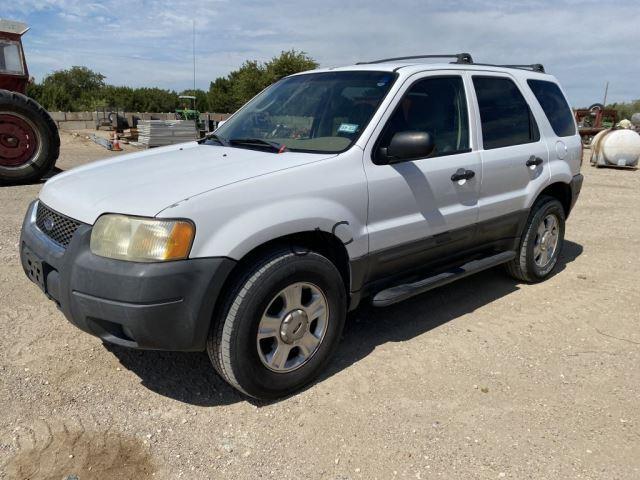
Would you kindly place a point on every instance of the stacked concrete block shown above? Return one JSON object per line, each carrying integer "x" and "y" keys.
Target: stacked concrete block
{"x": 87, "y": 120}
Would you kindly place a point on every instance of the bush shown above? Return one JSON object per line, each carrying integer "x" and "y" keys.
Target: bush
{"x": 626, "y": 109}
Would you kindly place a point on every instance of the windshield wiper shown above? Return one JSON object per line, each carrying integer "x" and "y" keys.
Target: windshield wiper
{"x": 260, "y": 143}
{"x": 217, "y": 138}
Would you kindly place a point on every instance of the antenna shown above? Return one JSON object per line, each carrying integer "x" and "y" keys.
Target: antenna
{"x": 194, "y": 57}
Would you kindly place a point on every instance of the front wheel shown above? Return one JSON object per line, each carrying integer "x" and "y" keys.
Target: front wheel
{"x": 541, "y": 242}
{"x": 280, "y": 324}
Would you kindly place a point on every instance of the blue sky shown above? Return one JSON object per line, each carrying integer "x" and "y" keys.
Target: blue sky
{"x": 149, "y": 43}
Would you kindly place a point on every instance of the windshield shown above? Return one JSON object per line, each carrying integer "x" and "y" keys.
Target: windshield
{"x": 316, "y": 112}
{"x": 10, "y": 58}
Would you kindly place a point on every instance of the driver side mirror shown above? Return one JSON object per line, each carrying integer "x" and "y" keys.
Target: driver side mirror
{"x": 409, "y": 145}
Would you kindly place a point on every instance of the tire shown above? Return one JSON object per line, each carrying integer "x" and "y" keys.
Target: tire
{"x": 233, "y": 345}
{"x": 529, "y": 264}
{"x": 29, "y": 140}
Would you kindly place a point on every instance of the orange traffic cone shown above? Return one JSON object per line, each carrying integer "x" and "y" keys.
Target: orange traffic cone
{"x": 115, "y": 143}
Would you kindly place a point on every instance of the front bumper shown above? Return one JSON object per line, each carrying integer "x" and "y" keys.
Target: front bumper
{"x": 161, "y": 306}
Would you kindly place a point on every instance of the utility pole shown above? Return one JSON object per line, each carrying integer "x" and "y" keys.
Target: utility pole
{"x": 606, "y": 91}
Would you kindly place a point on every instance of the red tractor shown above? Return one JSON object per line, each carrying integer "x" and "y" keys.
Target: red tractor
{"x": 29, "y": 140}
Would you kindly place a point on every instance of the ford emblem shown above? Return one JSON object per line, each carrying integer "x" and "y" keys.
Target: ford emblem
{"x": 48, "y": 224}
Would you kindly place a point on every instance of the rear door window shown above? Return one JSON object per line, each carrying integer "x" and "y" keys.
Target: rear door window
{"x": 504, "y": 113}
{"x": 555, "y": 107}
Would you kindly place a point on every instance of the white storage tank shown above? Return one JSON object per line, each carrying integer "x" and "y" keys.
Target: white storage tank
{"x": 615, "y": 148}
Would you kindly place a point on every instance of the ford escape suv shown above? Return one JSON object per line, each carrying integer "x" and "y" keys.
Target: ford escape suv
{"x": 375, "y": 182}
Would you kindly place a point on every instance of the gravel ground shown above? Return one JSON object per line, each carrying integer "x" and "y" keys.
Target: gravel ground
{"x": 485, "y": 378}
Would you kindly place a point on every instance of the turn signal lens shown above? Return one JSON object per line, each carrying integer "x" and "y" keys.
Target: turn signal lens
{"x": 141, "y": 239}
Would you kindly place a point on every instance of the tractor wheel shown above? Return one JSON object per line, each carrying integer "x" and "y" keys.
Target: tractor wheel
{"x": 29, "y": 140}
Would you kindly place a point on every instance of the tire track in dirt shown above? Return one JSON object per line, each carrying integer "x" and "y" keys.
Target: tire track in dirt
{"x": 56, "y": 449}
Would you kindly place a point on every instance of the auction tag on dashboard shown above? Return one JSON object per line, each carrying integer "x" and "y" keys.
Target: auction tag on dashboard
{"x": 347, "y": 128}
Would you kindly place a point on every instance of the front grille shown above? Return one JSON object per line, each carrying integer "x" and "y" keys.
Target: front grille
{"x": 56, "y": 226}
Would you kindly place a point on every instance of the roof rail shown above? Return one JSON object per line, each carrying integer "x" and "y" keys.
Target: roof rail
{"x": 535, "y": 67}
{"x": 460, "y": 58}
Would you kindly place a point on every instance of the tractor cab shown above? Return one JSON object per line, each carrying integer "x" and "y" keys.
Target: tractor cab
{"x": 14, "y": 75}
{"x": 188, "y": 108}
{"x": 29, "y": 139}
{"x": 189, "y": 111}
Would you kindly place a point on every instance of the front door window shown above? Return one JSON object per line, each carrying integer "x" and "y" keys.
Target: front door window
{"x": 436, "y": 105}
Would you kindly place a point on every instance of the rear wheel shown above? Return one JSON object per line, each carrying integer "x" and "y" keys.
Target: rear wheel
{"x": 280, "y": 325}
{"x": 29, "y": 141}
{"x": 541, "y": 242}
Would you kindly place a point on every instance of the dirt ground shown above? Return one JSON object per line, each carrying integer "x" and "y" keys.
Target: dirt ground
{"x": 486, "y": 378}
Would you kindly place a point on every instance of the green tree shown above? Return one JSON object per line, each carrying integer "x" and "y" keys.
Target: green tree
{"x": 202, "y": 99}
{"x": 626, "y": 109}
{"x": 227, "y": 94}
{"x": 288, "y": 63}
{"x": 34, "y": 90}
{"x": 154, "y": 100}
{"x": 138, "y": 99}
{"x": 219, "y": 96}
{"x": 119, "y": 97}
{"x": 72, "y": 89}
{"x": 246, "y": 82}
{"x": 79, "y": 88}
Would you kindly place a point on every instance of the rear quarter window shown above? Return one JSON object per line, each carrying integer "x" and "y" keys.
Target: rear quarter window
{"x": 555, "y": 107}
{"x": 504, "y": 113}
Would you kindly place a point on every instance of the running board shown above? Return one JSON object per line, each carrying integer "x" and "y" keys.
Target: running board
{"x": 401, "y": 292}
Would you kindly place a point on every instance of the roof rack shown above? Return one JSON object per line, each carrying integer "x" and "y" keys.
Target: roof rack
{"x": 535, "y": 67}
{"x": 460, "y": 58}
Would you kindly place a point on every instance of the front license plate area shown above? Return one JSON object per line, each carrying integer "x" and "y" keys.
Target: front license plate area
{"x": 35, "y": 270}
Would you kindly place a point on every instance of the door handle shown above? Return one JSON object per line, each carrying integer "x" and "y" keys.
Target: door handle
{"x": 533, "y": 161}
{"x": 462, "y": 174}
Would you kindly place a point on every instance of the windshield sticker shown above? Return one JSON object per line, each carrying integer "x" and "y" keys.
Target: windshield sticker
{"x": 383, "y": 81}
{"x": 347, "y": 128}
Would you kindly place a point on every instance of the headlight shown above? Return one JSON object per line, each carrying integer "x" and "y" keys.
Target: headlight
{"x": 141, "y": 239}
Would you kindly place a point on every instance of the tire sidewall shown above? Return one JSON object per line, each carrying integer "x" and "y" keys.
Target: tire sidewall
{"x": 249, "y": 371}
{"x": 47, "y": 136}
{"x": 551, "y": 207}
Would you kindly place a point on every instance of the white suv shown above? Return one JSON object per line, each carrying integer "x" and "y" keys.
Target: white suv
{"x": 376, "y": 181}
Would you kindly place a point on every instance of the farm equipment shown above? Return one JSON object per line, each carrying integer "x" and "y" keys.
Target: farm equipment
{"x": 186, "y": 113}
{"x": 110, "y": 118}
{"x": 616, "y": 147}
{"x": 593, "y": 120}
{"x": 29, "y": 139}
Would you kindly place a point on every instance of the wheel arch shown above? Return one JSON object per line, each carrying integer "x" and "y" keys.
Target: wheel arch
{"x": 561, "y": 191}
{"x": 300, "y": 243}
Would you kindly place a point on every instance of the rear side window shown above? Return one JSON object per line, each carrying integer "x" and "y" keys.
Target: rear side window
{"x": 555, "y": 107}
{"x": 505, "y": 116}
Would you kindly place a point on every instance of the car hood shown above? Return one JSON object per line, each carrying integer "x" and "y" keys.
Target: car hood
{"x": 147, "y": 182}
